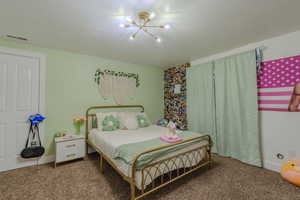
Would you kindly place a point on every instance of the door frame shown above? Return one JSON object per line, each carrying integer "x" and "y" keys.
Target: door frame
{"x": 42, "y": 87}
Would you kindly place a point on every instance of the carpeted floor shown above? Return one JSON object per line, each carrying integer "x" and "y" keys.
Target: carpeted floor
{"x": 228, "y": 179}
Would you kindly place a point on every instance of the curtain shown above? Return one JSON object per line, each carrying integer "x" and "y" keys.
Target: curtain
{"x": 237, "y": 109}
{"x": 200, "y": 100}
{"x": 131, "y": 87}
{"x": 105, "y": 85}
{"x": 120, "y": 89}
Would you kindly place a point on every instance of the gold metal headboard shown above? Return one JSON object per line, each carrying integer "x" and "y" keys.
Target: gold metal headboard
{"x": 91, "y": 116}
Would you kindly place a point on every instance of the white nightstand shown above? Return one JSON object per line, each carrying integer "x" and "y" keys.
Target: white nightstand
{"x": 69, "y": 148}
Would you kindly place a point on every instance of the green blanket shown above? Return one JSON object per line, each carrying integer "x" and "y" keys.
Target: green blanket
{"x": 128, "y": 152}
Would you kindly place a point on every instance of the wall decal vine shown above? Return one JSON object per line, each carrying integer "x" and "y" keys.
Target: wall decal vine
{"x": 99, "y": 72}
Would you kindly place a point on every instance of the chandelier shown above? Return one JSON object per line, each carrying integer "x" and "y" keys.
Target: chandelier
{"x": 142, "y": 24}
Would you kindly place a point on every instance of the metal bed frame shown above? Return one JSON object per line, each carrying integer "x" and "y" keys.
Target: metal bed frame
{"x": 162, "y": 177}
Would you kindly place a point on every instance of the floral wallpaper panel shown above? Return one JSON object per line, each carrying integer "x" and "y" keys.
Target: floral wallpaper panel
{"x": 175, "y": 104}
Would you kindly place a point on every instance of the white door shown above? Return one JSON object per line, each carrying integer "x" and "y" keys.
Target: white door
{"x": 19, "y": 98}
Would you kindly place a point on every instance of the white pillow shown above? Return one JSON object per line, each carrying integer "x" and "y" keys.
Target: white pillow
{"x": 128, "y": 120}
{"x": 100, "y": 117}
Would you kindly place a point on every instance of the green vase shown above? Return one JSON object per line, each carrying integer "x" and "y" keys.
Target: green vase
{"x": 77, "y": 129}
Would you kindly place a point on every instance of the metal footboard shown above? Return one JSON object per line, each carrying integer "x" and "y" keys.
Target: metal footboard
{"x": 168, "y": 170}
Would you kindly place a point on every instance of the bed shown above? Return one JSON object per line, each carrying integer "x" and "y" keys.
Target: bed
{"x": 143, "y": 160}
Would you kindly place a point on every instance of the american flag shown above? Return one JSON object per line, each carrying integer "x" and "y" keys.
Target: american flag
{"x": 276, "y": 80}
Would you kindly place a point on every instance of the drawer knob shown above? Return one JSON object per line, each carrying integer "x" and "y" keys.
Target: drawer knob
{"x": 71, "y": 155}
{"x": 71, "y": 145}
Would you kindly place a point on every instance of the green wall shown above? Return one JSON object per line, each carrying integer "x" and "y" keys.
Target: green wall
{"x": 70, "y": 88}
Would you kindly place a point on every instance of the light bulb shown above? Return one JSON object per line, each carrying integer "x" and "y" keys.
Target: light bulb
{"x": 129, "y": 19}
{"x": 167, "y": 26}
{"x": 125, "y": 25}
{"x": 131, "y": 38}
{"x": 152, "y": 15}
{"x": 158, "y": 39}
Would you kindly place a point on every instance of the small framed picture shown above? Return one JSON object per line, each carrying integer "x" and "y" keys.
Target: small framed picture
{"x": 177, "y": 89}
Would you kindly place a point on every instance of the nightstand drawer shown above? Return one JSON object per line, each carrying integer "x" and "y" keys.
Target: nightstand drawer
{"x": 69, "y": 150}
{"x": 69, "y": 156}
{"x": 71, "y": 145}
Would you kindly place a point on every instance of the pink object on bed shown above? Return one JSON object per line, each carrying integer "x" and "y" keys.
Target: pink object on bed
{"x": 170, "y": 140}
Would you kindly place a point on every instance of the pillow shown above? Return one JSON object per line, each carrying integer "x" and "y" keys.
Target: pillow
{"x": 146, "y": 116}
{"x": 128, "y": 120}
{"x": 100, "y": 117}
{"x": 110, "y": 123}
{"x": 143, "y": 121}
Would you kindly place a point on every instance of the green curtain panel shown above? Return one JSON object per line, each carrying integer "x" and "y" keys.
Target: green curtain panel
{"x": 236, "y": 108}
{"x": 200, "y": 100}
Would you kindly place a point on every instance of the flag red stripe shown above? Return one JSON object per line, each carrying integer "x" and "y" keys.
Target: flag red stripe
{"x": 273, "y": 101}
{"x": 274, "y": 109}
{"x": 285, "y": 93}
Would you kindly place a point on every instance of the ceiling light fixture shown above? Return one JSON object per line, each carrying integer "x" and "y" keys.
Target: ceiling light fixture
{"x": 143, "y": 25}
{"x": 152, "y": 15}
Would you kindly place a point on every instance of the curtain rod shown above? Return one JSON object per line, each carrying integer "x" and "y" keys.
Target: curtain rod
{"x": 231, "y": 52}
{"x": 263, "y": 47}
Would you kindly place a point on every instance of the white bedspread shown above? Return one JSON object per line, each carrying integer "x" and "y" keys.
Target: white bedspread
{"x": 109, "y": 141}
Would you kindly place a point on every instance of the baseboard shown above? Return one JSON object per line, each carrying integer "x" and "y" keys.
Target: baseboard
{"x": 30, "y": 162}
{"x": 272, "y": 166}
{"x": 47, "y": 159}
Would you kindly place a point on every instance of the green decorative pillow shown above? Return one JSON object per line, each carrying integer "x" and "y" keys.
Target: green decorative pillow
{"x": 143, "y": 121}
{"x": 110, "y": 123}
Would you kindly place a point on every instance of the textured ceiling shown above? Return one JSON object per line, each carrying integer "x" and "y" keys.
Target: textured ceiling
{"x": 199, "y": 27}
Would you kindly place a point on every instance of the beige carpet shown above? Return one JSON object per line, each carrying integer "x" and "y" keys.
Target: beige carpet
{"x": 228, "y": 179}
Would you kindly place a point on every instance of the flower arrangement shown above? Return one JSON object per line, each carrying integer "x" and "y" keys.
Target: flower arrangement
{"x": 78, "y": 122}
{"x": 162, "y": 122}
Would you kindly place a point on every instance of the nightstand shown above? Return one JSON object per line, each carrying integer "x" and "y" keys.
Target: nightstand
{"x": 68, "y": 148}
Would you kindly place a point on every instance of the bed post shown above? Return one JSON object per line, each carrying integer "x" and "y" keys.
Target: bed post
{"x": 132, "y": 181}
{"x": 101, "y": 163}
{"x": 86, "y": 132}
{"x": 209, "y": 151}
{"x": 132, "y": 188}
